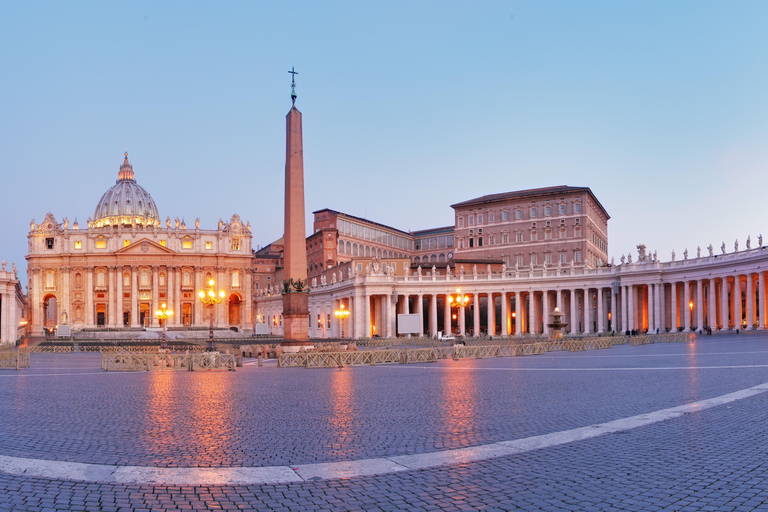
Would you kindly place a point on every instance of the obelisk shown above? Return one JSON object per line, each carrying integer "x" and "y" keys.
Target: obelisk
{"x": 295, "y": 289}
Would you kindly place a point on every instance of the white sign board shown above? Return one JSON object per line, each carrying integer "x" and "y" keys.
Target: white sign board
{"x": 261, "y": 329}
{"x": 408, "y": 324}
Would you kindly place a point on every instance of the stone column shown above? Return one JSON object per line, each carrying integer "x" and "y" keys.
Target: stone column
{"x": 532, "y": 312}
{"x": 433, "y": 315}
{"x": 673, "y": 317}
{"x": 134, "y": 296}
{"x": 367, "y": 316}
{"x": 248, "y": 320}
{"x": 724, "y": 308}
{"x": 119, "y": 299}
{"x": 662, "y": 308}
{"x": 761, "y": 299}
{"x": 13, "y": 320}
{"x": 631, "y": 307}
{"x": 66, "y": 298}
{"x": 89, "y": 297}
{"x": 5, "y": 299}
{"x": 518, "y": 314}
{"x": 657, "y": 309}
{"x": 574, "y": 321}
{"x": 750, "y": 303}
{"x": 200, "y": 317}
{"x": 462, "y": 321}
{"x": 587, "y": 312}
{"x": 109, "y": 321}
{"x": 420, "y": 312}
{"x": 154, "y": 322}
{"x": 649, "y": 293}
{"x": 711, "y": 305}
{"x": 178, "y": 320}
{"x": 687, "y": 306}
{"x": 475, "y": 314}
{"x": 545, "y": 311}
{"x": 614, "y": 319}
{"x": 504, "y": 313}
{"x": 491, "y": 315}
{"x": 222, "y": 318}
{"x": 357, "y": 315}
{"x": 389, "y": 317}
{"x": 737, "y": 310}
{"x": 600, "y": 311}
{"x": 446, "y": 316}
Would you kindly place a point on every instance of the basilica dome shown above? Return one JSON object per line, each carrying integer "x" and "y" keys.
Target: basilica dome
{"x": 126, "y": 203}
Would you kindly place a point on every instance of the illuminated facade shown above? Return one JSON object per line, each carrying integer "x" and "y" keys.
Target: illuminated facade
{"x": 116, "y": 272}
{"x": 12, "y": 305}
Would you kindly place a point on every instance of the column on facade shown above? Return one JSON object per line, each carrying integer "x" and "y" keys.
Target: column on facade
{"x": 462, "y": 321}
{"x": 687, "y": 306}
{"x": 631, "y": 307}
{"x": 89, "y": 297}
{"x": 518, "y": 314}
{"x": 724, "y": 308}
{"x": 475, "y": 314}
{"x": 200, "y": 318}
{"x": 700, "y": 304}
{"x": 248, "y": 320}
{"x": 545, "y": 311}
{"x": 446, "y": 316}
{"x": 673, "y": 309}
{"x": 312, "y": 308}
{"x": 119, "y": 298}
{"x": 366, "y": 316}
{"x": 389, "y": 316}
{"x": 657, "y": 309}
{"x": 222, "y": 319}
{"x": 13, "y": 315}
{"x": 662, "y": 309}
{"x": 737, "y": 303}
{"x": 614, "y": 319}
{"x": 491, "y": 314}
{"x": 134, "y": 297}
{"x": 5, "y": 313}
{"x": 761, "y": 301}
{"x": 600, "y": 310}
{"x": 155, "y": 294}
{"x": 711, "y": 305}
{"x": 587, "y": 312}
{"x": 504, "y": 313}
{"x": 648, "y": 292}
{"x": 66, "y": 303}
{"x": 111, "y": 299}
{"x": 574, "y": 312}
{"x": 178, "y": 313}
{"x": 432, "y": 315}
{"x": 750, "y": 303}
{"x": 420, "y": 312}
{"x": 356, "y": 314}
{"x": 532, "y": 324}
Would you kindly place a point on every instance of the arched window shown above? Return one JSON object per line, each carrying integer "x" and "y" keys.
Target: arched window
{"x": 341, "y": 247}
{"x": 441, "y": 258}
{"x": 433, "y": 258}
{"x": 417, "y": 260}
{"x": 348, "y": 248}
{"x": 379, "y": 253}
{"x": 49, "y": 280}
{"x": 235, "y": 279}
{"x": 367, "y": 251}
{"x": 354, "y": 249}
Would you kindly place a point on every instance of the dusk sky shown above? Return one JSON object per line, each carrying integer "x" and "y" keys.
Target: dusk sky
{"x": 659, "y": 107}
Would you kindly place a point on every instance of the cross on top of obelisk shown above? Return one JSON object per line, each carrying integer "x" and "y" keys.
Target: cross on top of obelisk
{"x": 293, "y": 85}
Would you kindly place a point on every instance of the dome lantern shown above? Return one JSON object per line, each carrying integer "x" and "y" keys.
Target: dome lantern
{"x": 126, "y": 202}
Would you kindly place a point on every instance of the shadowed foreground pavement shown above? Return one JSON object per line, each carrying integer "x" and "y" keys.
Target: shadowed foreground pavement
{"x": 65, "y": 409}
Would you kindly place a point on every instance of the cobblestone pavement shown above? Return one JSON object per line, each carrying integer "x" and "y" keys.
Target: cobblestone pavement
{"x": 65, "y": 408}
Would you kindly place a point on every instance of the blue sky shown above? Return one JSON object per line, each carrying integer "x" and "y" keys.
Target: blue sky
{"x": 659, "y": 107}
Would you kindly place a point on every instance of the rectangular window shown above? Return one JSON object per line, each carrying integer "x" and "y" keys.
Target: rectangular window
{"x": 471, "y": 220}
{"x": 208, "y": 246}
{"x": 505, "y": 238}
{"x": 490, "y": 218}
{"x": 534, "y": 236}
{"x": 461, "y": 243}
{"x": 235, "y": 244}
{"x": 562, "y": 257}
{"x": 577, "y": 256}
{"x": 547, "y": 211}
{"x": 561, "y": 209}
{"x": 49, "y": 243}
{"x": 548, "y": 235}
{"x": 533, "y": 212}
{"x": 186, "y": 244}
{"x": 491, "y": 240}
{"x": 479, "y": 241}
{"x": 101, "y": 244}
{"x": 471, "y": 242}
{"x": 449, "y": 241}
{"x": 504, "y": 216}
{"x": 534, "y": 259}
{"x": 519, "y": 236}
{"x": 519, "y": 261}
{"x": 576, "y": 207}
{"x": 126, "y": 243}
{"x": 78, "y": 245}
{"x": 518, "y": 214}
{"x": 461, "y": 222}
{"x": 548, "y": 258}
{"x": 479, "y": 218}
{"x": 441, "y": 242}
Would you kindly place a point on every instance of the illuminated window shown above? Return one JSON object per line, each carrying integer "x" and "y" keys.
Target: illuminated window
{"x": 78, "y": 245}
{"x": 101, "y": 244}
{"x": 236, "y": 279}
{"x": 235, "y": 244}
{"x": 162, "y": 242}
{"x": 208, "y": 245}
{"x": 186, "y": 244}
{"x": 126, "y": 243}
{"x": 162, "y": 279}
{"x": 126, "y": 280}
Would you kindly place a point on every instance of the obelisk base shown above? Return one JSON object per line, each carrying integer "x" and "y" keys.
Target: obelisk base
{"x": 295, "y": 322}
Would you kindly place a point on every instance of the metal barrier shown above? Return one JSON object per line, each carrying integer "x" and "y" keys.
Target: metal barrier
{"x": 14, "y": 359}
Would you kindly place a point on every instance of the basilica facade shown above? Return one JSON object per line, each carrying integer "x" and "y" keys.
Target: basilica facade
{"x": 116, "y": 271}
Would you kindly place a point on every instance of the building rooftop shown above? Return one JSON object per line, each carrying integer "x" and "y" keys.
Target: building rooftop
{"x": 360, "y": 219}
{"x": 533, "y": 192}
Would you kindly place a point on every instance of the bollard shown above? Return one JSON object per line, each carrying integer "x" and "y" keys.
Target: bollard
{"x": 261, "y": 362}
{"x": 239, "y": 361}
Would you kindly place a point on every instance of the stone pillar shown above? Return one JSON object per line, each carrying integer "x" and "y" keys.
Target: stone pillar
{"x": 600, "y": 311}
{"x": 367, "y": 316}
{"x": 518, "y": 314}
{"x": 248, "y": 299}
{"x": 357, "y": 315}
{"x": 574, "y": 320}
{"x": 462, "y": 321}
{"x": 178, "y": 320}
{"x": 545, "y": 311}
{"x": 587, "y": 312}
{"x": 673, "y": 316}
{"x": 119, "y": 298}
{"x": 111, "y": 298}
{"x": 662, "y": 308}
{"x": 631, "y": 307}
{"x": 687, "y": 306}
{"x": 724, "y": 308}
{"x": 700, "y": 304}
{"x": 389, "y": 317}
{"x": 420, "y": 312}
{"x": 13, "y": 320}
{"x": 446, "y": 317}
{"x": 649, "y": 293}
{"x": 711, "y": 305}
{"x": 750, "y": 303}
{"x": 154, "y": 322}
{"x": 200, "y": 318}
{"x": 657, "y": 309}
{"x": 66, "y": 299}
{"x": 475, "y": 314}
{"x": 737, "y": 310}
{"x": 433, "y": 315}
{"x": 504, "y": 313}
{"x": 134, "y": 297}
{"x": 221, "y": 319}
{"x": 532, "y": 312}
{"x": 491, "y": 315}
{"x": 761, "y": 299}
{"x": 5, "y": 299}
{"x": 89, "y": 297}
{"x": 614, "y": 319}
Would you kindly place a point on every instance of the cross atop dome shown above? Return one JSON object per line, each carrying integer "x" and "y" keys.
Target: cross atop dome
{"x": 293, "y": 85}
{"x": 126, "y": 170}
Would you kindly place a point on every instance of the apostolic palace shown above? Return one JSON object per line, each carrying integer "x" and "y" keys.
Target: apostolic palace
{"x": 500, "y": 268}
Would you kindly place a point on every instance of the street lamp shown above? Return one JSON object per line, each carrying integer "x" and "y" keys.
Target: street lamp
{"x": 164, "y": 314}
{"x": 210, "y": 299}
{"x": 342, "y": 314}
{"x": 457, "y": 301}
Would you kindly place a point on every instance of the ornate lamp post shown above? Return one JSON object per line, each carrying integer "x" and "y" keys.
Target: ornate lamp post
{"x": 164, "y": 314}
{"x": 210, "y": 299}
{"x": 457, "y": 301}
{"x": 342, "y": 314}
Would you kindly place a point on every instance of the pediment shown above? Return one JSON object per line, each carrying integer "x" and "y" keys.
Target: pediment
{"x": 144, "y": 247}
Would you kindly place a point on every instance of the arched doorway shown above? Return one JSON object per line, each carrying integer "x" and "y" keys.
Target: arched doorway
{"x": 234, "y": 309}
{"x": 50, "y": 313}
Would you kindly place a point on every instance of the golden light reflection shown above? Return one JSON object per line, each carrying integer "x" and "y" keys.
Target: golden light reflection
{"x": 342, "y": 407}
{"x": 459, "y": 400}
